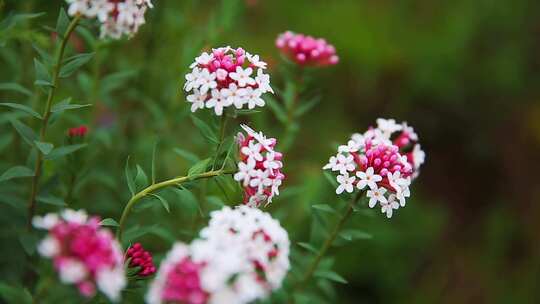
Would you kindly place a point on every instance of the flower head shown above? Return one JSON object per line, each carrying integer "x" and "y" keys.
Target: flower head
{"x": 83, "y": 252}
{"x": 117, "y": 17}
{"x": 306, "y": 50}
{"x": 241, "y": 256}
{"x": 259, "y": 168}
{"x": 382, "y": 161}
{"x": 138, "y": 257}
{"x": 227, "y": 77}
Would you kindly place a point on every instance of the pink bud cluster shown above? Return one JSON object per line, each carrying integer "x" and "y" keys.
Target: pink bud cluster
{"x": 138, "y": 257}
{"x": 226, "y": 77}
{"x": 117, "y": 17}
{"x": 240, "y": 257}
{"x": 83, "y": 252}
{"x": 306, "y": 50}
{"x": 259, "y": 168}
{"x": 78, "y": 131}
{"x": 383, "y": 161}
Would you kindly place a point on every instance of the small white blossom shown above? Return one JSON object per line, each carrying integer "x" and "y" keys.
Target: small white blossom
{"x": 197, "y": 99}
{"x": 72, "y": 271}
{"x": 242, "y": 76}
{"x": 245, "y": 171}
{"x": 368, "y": 178}
{"x": 207, "y": 81}
{"x": 48, "y": 247}
{"x": 344, "y": 164}
{"x": 345, "y": 183}
{"x": 263, "y": 81}
{"x": 253, "y": 150}
{"x": 389, "y": 206}
{"x": 255, "y": 61}
{"x": 234, "y": 95}
{"x": 111, "y": 282}
{"x": 376, "y": 195}
{"x": 217, "y": 102}
{"x": 253, "y": 98}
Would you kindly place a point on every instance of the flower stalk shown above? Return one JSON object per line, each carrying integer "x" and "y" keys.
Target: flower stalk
{"x": 155, "y": 187}
{"x": 46, "y": 115}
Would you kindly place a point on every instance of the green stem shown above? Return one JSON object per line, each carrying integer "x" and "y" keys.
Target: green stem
{"x": 328, "y": 242}
{"x": 46, "y": 115}
{"x": 222, "y": 128}
{"x": 155, "y": 187}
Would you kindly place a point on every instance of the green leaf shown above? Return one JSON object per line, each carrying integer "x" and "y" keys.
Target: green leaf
{"x": 24, "y": 131}
{"x": 63, "y": 151}
{"x": 43, "y": 83}
{"x": 306, "y": 106}
{"x": 43, "y": 54}
{"x": 353, "y": 234}
{"x": 109, "y": 222}
{"x": 154, "y": 163}
{"x": 51, "y": 200}
{"x": 289, "y": 94}
{"x": 62, "y": 23}
{"x": 42, "y": 74}
{"x": 308, "y": 247}
{"x": 129, "y": 178}
{"x": 247, "y": 112}
{"x": 15, "y": 294}
{"x": 277, "y": 109}
{"x": 205, "y": 129}
{"x": 44, "y": 147}
{"x": 12, "y": 86}
{"x": 28, "y": 242}
{"x": 330, "y": 178}
{"x": 21, "y": 107}
{"x": 199, "y": 167}
{"x": 140, "y": 177}
{"x": 16, "y": 172}
{"x": 330, "y": 275}
{"x": 163, "y": 202}
{"x": 75, "y": 63}
{"x": 62, "y": 106}
{"x": 189, "y": 156}
{"x": 5, "y": 140}
{"x": 187, "y": 199}
{"x": 324, "y": 207}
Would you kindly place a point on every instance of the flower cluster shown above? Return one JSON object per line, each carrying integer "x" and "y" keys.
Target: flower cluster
{"x": 140, "y": 258}
{"x": 78, "y": 131}
{"x": 227, "y": 77}
{"x": 382, "y": 161}
{"x": 83, "y": 252}
{"x": 306, "y": 50}
{"x": 242, "y": 255}
{"x": 117, "y": 17}
{"x": 259, "y": 168}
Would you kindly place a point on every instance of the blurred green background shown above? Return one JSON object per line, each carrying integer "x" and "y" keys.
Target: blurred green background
{"x": 465, "y": 74}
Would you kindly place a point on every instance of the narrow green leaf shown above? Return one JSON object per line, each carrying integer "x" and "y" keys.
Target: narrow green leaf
{"x": 330, "y": 275}
{"x": 352, "y": 234}
{"x": 163, "y": 202}
{"x": 199, "y": 167}
{"x": 5, "y": 140}
{"x": 324, "y": 207}
{"x": 246, "y": 112}
{"x": 12, "y": 86}
{"x": 306, "y": 106}
{"x": 16, "y": 172}
{"x": 59, "y": 107}
{"x": 189, "y": 156}
{"x": 15, "y": 294}
{"x": 21, "y": 107}
{"x": 75, "y": 63}
{"x": 141, "y": 179}
{"x": 330, "y": 178}
{"x": 28, "y": 242}
{"x": 289, "y": 94}
{"x": 42, "y": 74}
{"x": 129, "y": 178}
{"x": 277, "y": 109}
{"x": 24, "y": 131}
{"x": 43, "y": 54}
{"x": 62, "y": 23}
{"x": 44, "y": 147}
{"x": 51, "y": 200}
{"x": 63, "y": 151}
{"x": 109, "y": 222}
{"x": 308, "y": 247}
{"x": 205, "y": 129}
{"x": 43, "y": 83}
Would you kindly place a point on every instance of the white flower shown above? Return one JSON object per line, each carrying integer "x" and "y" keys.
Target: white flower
{"x": 217, "y": 102}
{"x": 263, "y": 81}
{"x": 253, "y": 150}
{"x": 73, "y": 216}
{"x": 203, "y": 59}
{"x": 221, "y": 74}
{"x": 253, "y": 98}
{"x": 388, "y": 126}
{"x": 72, "y": 271}
{"x": 111, "y": 282}
{"x": 389, "y": 206}
{"x": 419, "y": 156}
{"x": 331, "y": 164}
{"x": 234, "y": 95}
{"x": 245, "y": 171}
{"x": 261, "y": 179}
{"x": 344, "y": 164}
{"x": 352, "y": 146}
{"x": 242, "y": 76}
{"x": 270, "y": 162}
{"x": 197, "y": 99}
{"x": 193, "y": 80}
{"x": 345, "y": 183}
{"x": 368, "y": 178}
{"x": 358, "y": 138}
{"x": 376, "y": 195}
{"x": 207, "y": 81}
{"x": 48, "y": 247}
{"x": 45, "y": 222}
{"x": 255, "y": 61}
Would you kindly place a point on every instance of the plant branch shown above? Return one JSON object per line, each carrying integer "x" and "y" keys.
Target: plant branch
{"x": 46, "y": 115}
{"x": 155, "y": 187}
